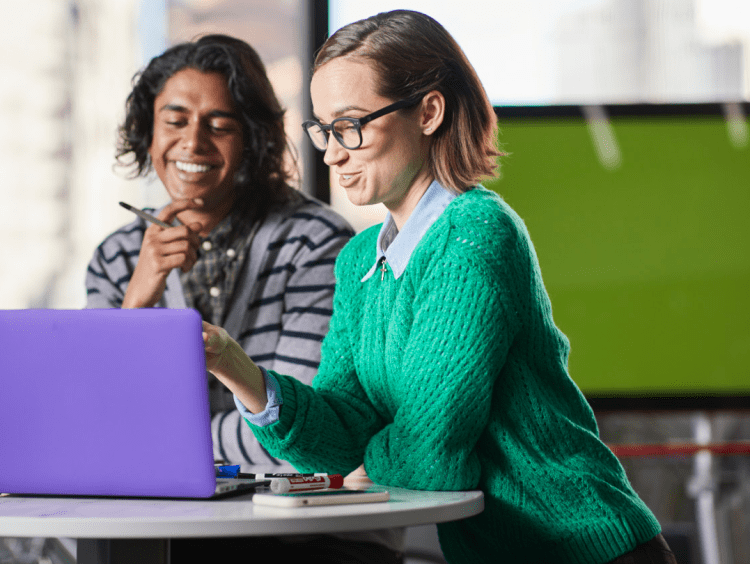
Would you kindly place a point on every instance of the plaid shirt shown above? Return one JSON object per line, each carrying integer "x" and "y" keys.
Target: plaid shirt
{"x": 213, "y": 277}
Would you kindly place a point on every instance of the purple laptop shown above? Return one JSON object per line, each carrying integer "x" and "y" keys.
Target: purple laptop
{"x": 109, "y": 402}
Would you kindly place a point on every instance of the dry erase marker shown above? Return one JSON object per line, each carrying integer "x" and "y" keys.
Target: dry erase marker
{"x": 306, "y": 483}
{"x": 233, "y": 471}
{"x": 144, "y": 215}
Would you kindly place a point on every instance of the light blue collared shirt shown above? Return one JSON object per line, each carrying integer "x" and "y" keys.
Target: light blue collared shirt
{"x": 396, "y": 247}
{"x": 273, "y": 397}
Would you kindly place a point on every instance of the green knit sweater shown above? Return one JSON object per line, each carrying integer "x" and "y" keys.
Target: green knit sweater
{"x": 454, "y": 377}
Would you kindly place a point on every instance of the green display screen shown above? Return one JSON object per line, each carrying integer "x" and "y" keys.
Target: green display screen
{"x": 647, "y": 262}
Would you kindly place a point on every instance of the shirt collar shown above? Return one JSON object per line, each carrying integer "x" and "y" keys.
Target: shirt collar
{"x": 397, "y": 246}
{"x": 220, "y": 235}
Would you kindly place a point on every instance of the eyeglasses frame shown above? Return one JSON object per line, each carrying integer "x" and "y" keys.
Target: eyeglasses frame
{"x": 357, "y": 122}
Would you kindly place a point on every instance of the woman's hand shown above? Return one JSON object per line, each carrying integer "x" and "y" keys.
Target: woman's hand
{"x": 162, "y": 250}
{"x": 358, "y": 479}
{"x": 216, "y": 341}
{"x": 226, "y": 360}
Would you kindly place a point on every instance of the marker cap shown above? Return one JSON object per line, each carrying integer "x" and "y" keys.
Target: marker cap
{"x": 337, "y": 481}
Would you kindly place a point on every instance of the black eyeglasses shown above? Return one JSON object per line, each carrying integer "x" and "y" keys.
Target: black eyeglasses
{"x": 348, "y": 130}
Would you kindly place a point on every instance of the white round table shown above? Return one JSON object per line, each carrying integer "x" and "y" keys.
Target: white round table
{"x": 107, "y": 519}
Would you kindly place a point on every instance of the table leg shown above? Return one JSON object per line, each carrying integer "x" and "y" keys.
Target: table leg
{"x": 123, "y": 551}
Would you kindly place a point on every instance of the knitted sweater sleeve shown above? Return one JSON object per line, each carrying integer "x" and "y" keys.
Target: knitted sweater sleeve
{"x": 415, "y": 417}
{"x": 314, "y": 419}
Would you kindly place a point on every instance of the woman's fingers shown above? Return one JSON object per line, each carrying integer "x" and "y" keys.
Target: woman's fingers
{"x": 215, "y": 340}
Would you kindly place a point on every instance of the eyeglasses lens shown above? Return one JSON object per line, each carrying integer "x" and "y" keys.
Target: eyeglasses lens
{"x": 347, "y": 132}
{"x": 318, "y": 137}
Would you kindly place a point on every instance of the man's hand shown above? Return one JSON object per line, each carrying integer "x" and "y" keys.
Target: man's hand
{"x": 162, "y": 250}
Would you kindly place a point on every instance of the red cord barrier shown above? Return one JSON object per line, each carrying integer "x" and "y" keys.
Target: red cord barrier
{"x": 674, "y": 449}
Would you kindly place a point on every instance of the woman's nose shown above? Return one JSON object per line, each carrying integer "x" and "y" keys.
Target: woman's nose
{"x": 334, "y": 152}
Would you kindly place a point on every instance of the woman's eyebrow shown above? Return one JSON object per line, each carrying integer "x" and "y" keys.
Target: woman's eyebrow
{"x": 346, "y": 109}
{"x": 341, "y": 111}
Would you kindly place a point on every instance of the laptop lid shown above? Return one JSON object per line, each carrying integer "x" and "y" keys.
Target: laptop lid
{"x": 107, "y": 402}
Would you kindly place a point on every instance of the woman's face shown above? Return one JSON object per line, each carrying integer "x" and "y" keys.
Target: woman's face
{"x": 391, "y": 164}
{"x": 197, "y": 138}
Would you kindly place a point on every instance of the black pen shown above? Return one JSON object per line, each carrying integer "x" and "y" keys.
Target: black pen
{"x": 276, "y": 476}
{"x": 144, "y": 215}
{"x": 233, "y": 471}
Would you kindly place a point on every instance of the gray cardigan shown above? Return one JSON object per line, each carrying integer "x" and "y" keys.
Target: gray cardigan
{"x": 279, "y": 311}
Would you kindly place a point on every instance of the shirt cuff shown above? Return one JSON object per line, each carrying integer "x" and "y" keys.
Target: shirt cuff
{"x": 274, "y": 400}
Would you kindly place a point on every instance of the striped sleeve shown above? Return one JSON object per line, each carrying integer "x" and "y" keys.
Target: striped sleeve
{"x": 112, "y": 266}
{"x": 296, "y": 283}
{"x": 287, "y": 317}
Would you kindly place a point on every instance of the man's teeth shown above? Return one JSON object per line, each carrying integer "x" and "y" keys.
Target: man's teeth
{"x": 191, "y": 167}
{"x": 346, "y": 176}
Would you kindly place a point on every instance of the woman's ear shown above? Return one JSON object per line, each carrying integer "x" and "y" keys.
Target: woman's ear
{"x": 433, "y": 111}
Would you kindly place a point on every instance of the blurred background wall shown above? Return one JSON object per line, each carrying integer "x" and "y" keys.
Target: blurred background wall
{"x": 629, "y": 158}
{"x": 68, "y": 64}
{"x": 67, "y": 67}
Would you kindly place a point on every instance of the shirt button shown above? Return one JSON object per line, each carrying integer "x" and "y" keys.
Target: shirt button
{"x": 214, "y": 291}
{"x": 207, "y": 246}
{"x": 231, "y": 253}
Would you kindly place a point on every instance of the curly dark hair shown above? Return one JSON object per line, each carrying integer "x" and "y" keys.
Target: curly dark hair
{"x": 263, "y": 175}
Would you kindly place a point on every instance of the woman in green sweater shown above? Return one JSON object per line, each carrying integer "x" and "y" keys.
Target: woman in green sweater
{"x": 442, "y": 368}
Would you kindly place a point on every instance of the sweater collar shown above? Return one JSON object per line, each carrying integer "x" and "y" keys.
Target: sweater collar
{"x": 397, "y": 246}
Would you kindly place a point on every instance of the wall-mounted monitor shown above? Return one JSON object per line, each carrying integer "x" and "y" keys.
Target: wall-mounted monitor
{"x": 646, "y": 256}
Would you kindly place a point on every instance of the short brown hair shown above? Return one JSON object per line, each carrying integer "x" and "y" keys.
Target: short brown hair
{"x": 412, "y": 55}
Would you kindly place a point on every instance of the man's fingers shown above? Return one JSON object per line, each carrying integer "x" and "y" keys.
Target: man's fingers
{"x": 178, "y": 233}
{"x": 171, "y": 210}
